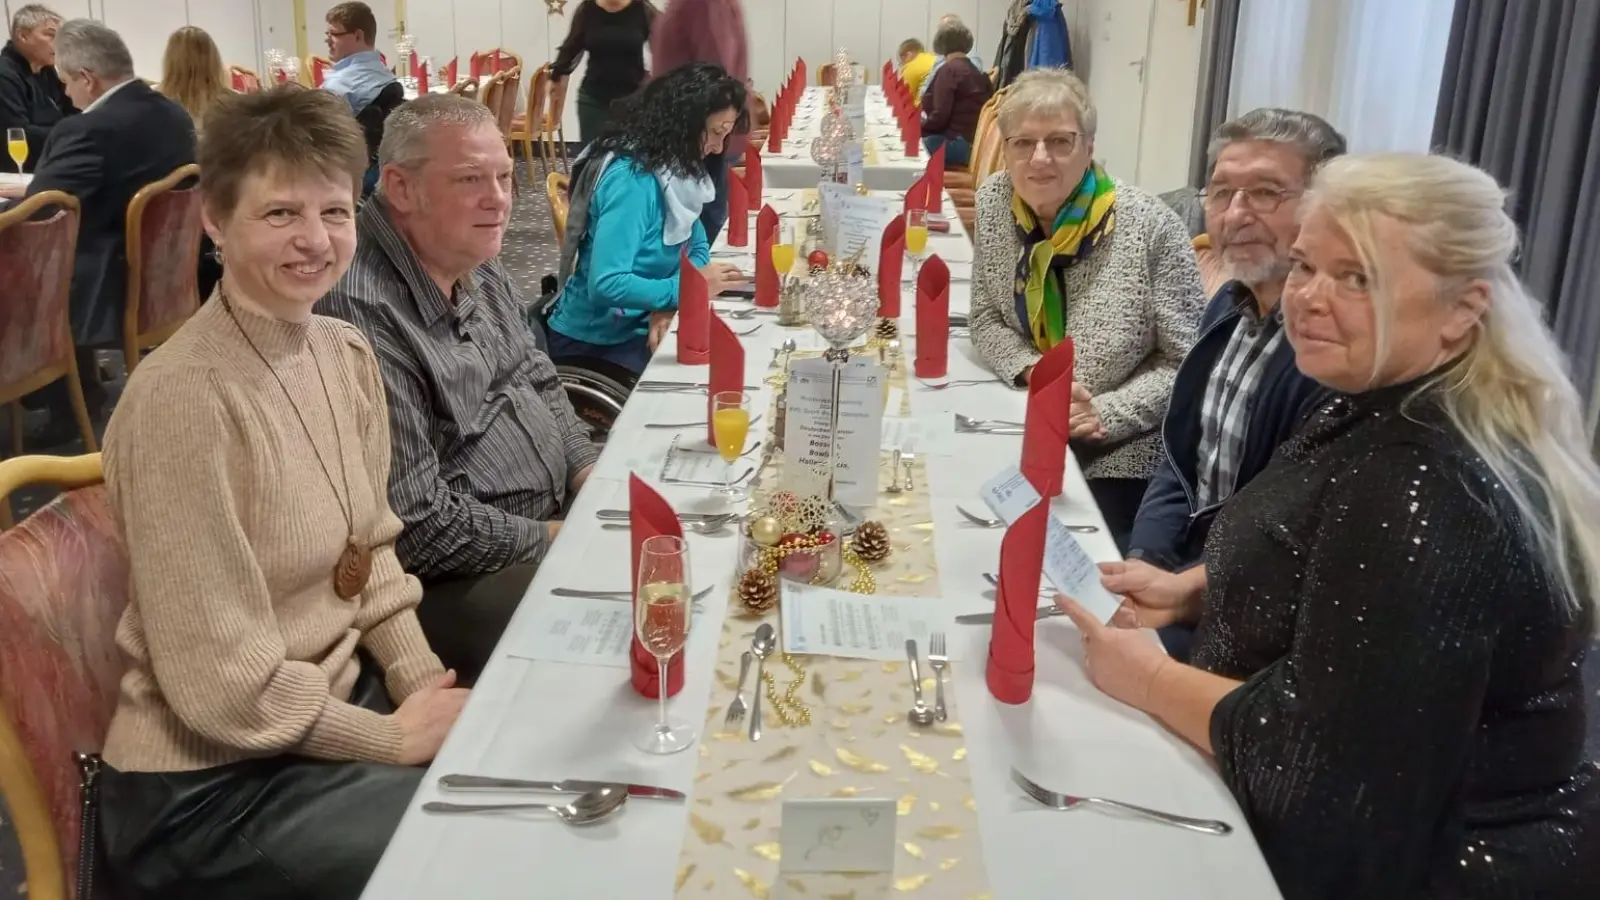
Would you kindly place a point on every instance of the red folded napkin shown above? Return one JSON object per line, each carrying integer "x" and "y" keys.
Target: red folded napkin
{"x": 752, "y": 171}
{"x": 913, "y": 138}
{"x": 422, "y": 80}
{"x": 727, "y": 370}
{"x": 767, "y": 286}
{"x": 888, "y": 72}
{"x": 1016, "y": 597}
{"x": 891, "y": 254}
{"x": 933, "y": 181}
{"x": 694, "y": 315}
{"x": 775, "y": 130}
{"x": 738, "y": 214}
{"x": 450, "y": 73}
{"x": 283, "y": 77}
{"x": 933, "y": 319}
{"x": 649, "y": 515}
{"x": 917, "y": 194}
{"x": 800, "y": 70}
{"x": 1045, "y": 426}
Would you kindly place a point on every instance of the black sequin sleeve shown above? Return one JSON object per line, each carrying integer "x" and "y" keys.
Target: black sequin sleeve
{"x": 1346, "y": 753}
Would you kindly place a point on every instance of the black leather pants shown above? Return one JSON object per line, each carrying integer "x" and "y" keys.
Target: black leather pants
{"x": 262, "y": 829}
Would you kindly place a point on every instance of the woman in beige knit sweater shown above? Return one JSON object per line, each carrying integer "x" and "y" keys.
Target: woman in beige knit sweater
{"x": 255, "y": 752}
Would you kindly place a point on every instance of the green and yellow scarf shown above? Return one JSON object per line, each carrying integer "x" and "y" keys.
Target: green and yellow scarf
{"x": 1088, "y": 216}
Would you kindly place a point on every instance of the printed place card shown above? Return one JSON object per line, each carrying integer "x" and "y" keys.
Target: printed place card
{"x": 1010, "y": 494}
{"x": 1070, "y": 568}
{"x": 846, "y": 834}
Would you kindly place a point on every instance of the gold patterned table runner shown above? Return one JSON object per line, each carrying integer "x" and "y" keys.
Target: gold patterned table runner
{"x": 857, "y": 744}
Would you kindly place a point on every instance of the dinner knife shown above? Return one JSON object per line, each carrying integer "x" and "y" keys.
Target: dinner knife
{"x": 1045, "y": 612}
{"x": 623, "y": 515}
{"x": 570, "y": 786}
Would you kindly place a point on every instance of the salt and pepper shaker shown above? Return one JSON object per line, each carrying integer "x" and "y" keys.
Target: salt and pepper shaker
{"x": 894, "y": 473}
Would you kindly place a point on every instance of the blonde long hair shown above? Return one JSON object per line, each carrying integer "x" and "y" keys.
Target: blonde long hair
{"x": 1511, "y": 397}
{"x": 192, "y": 73}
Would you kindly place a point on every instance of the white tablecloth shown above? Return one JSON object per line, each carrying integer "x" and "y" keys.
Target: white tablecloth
{"x": 891, "y": 171}
{"x": 549, "y": 720}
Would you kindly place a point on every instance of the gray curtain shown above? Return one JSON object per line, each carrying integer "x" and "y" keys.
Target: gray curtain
{"x": 1216, "y": 77}
{"x": 1521, "y": 99}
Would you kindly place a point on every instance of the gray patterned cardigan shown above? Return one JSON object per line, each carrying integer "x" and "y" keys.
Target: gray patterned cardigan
{"x": 1132, "y": 308}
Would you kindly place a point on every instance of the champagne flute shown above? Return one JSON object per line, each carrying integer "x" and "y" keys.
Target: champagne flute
{"x": 916, "y": 238}
{"x": 730, "y": 422}
{"x": 17, "y": 146}
{"x": 661, "y": 620}
{"x": 783, "y": 249}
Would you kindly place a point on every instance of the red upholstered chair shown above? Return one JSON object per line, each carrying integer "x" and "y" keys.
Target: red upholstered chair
{"x": 35, "y": 332}
{"x": 244, "y": 80}
{"x": 316, "y": 67}
{"x": 826, "y": 75}
{"x": 63, "y": 587}
{"x": 163, "y": 228}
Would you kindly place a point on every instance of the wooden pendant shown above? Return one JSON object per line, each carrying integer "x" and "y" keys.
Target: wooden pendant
{"x": 354, "y": 568}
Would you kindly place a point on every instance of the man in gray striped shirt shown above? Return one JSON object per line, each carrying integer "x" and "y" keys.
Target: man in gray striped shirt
{"x": 487, "y": 449}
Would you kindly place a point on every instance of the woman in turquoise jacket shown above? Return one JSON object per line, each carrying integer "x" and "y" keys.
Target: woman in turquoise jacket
{"x": 636, "y": 198}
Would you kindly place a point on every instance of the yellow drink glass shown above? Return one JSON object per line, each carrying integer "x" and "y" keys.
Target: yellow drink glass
{"x": 730, "y": 424}
{"x": 783, "y": 258}
{"x": 17, "y": 146}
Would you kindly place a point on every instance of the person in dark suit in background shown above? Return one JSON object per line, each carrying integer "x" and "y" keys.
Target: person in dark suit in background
{"x": 31, "y": 96}
{"x": 127, "y": 137}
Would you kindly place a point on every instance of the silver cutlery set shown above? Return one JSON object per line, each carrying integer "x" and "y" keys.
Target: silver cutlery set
{"x": 920, "y": 713}
{"x": 901, "y": 461}
{"x": 762, "y": 645}
{"x": 595, "y": 800}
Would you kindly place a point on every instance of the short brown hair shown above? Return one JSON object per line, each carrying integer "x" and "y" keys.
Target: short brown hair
{"x": 355, "y": 16}
{"x": 911, "y": 45}
{"x": 293, "y": 127}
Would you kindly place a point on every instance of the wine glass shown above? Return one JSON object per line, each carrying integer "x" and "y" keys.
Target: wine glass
{"x": 916, "y": 238}
{"x": 17, "y": 146}
{"x": 661, "y": 620}
{"x": 730, "y": 422}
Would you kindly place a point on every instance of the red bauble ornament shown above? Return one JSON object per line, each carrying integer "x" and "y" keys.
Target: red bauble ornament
{"x": 818, "y": 259}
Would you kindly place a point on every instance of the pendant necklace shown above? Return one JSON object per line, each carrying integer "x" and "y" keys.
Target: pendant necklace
{"x": 354, "y": 567}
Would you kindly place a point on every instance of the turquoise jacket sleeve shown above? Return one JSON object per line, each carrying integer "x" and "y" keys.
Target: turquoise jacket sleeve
{"x": 625, "y": 215}
{"x": 699, "y": 247}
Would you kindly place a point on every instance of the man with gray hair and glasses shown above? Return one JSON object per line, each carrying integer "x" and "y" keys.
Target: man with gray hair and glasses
{"x": 31, "y": 96}
{"x": 487, "y": 448}
{"x": 1238, "y": 393}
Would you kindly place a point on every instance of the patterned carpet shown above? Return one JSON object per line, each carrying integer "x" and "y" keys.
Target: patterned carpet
{"x": 530, "y": 253}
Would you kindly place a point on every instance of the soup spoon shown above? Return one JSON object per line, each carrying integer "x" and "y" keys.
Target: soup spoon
{"x": 588, "y": 808}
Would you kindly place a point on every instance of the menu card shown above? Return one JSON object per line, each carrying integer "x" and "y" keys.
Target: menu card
{"x": 808, "y": 419}
{"x": 853, "y": 223}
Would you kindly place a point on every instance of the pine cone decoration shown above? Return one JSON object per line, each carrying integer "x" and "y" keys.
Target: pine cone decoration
{"x": 758, "y": 591}
{"x": 871, "y": 542}
{"x": 886, "y": 329}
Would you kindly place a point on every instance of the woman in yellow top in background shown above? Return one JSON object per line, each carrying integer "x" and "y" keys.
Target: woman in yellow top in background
{"x": 916, "y": 64}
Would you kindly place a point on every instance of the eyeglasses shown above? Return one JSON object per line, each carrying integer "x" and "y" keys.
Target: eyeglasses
{"x": 1257, "y": 200}
{"x": 1056, "y": 146}
{"x": 337, "y": 34}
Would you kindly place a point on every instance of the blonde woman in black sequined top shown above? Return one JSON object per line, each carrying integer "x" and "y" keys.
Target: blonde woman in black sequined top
{"x": 1393, "y": 615}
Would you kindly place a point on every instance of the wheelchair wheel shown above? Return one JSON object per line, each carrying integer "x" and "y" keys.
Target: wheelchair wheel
{"x": 597, "y": 391}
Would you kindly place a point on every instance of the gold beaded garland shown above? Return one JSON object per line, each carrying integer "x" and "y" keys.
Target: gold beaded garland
{"x": 788, "y": 707}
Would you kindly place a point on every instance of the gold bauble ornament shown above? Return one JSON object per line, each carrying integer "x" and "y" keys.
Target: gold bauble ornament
{"x": 766, "y": 531}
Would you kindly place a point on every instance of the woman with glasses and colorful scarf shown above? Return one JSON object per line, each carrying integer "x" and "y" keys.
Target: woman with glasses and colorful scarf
{"x": 1064, "y": 250}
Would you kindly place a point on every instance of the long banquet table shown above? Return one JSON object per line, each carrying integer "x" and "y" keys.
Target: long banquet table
{"x": 964, "y": 831}
{"x": 885, "y": 164}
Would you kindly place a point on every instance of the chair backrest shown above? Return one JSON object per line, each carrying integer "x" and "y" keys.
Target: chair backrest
{"x": 761, "y": 115}
{"x": 63, "y": 588}
{"x": 988, "y": 148}
{"x": 36, "y": 269}
{"x": 163, "y": 228}
{"x": 555, "y": 190}
{"x": 826, "y": 75}
{"x": 318, "y": 66}
{"x": 505, "y": 107}
{"x": 493, "y": 61}
{"x": 244, "y": 80}
{"x": 466, "y": 87}
{"x": 489, "y": 92}
{"x": 555, "y": 108}
{"x": 538, "y": 94}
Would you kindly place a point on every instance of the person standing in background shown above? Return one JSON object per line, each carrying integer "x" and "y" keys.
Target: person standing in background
{"x": 614, "y": 34}
{"x": 706, "y": 31}
{"x": 31, "y": 95}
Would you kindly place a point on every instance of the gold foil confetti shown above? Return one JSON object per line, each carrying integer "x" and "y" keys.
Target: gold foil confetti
{"x": 728, "y": 764}
{"x": 712, "y": 713}
{"x": 906, "y": 804}
{"x": 818, "y": 687}
{"x": 891, "y": 718}
{"x": 900, "y": 501}
{"x": 913, "y": 849}
{"x": 983, "y": 896}
{"x": 913, "y": 578}
{"x": 855, "y": 709}
{"x": 705, "y": 751}
{"x": 933, "y": 806}
{"x": 822, "y": 769}
{"x": 921, "y": 762}
{"x": 757, "y": 888}
{"x": 796, "y": 885}
{"x": 959, "y": 755}
{"x": 939, "y": 832}
{"x": 927, "y": 683}
{"x": 709, "y": 832}
{"x": 844, "y": 792}
{"x": 704, "y": 801}
{"x": 852, "y": 675}
{"x": 769, "y": 851}
{"x": 970, "y": 803}
{"x": 840, "y": 725}
{"x": 948, "y": 863}
{"x": 729, "y": 681}
{"x": 701, "y": 777}
{"x": 948, "y": 729}
{"x": 911, "y": 882}
{"x": 756, "y": 793}
{"x": 858, "y": 762}
{"x": 684, "y": 874}
{"x": 783, "y": 754}
{"x": 753, "y": 824}
{"x": 922, "y": 526}
{"x": 891, "y": 667}
{"x": 728, "y": 736}
{"x": 847, "y": 895}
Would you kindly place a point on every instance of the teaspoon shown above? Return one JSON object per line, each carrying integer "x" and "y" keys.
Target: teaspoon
{"x": 588, "y": 808}
{"x": 762, "y": 645}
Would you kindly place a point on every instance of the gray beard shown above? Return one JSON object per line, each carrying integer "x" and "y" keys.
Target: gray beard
{"x": 1257, "y": 273}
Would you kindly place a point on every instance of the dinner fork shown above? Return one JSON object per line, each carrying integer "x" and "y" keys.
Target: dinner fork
{"x": 982, "y": 522}
{"x": 694, "y": 483}
{"x": 960, "y": 382}
{"x": 938, "y": 660}
{"x": 1046, "y": 797}
{"x": 969, "y": 422}
{"x": 695, "y": 424}
{"x": 735, "y": 715}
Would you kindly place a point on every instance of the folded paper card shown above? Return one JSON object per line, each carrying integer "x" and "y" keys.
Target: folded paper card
{"x": 1011, "y": 656}
{"x": 1072, "y": 571}
{"x": 1046, "y": 424}
{"x": 694, "y": 315}
{"x": 649, "y": 515}
{"x": 727, "y": 370}
{"x": 1009, "y": 494}
{"x": 837, "y": 834}
{"x": 933, "y": 320}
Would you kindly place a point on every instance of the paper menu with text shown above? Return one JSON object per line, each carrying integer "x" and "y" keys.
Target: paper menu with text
{"x": 808, "y": 420}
